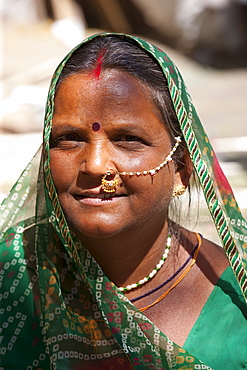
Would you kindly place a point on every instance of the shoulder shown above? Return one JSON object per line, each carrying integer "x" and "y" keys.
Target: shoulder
{"x": 212, "y": 260}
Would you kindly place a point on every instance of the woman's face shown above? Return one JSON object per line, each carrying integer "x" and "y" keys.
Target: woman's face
{"x": 130, "y": 138}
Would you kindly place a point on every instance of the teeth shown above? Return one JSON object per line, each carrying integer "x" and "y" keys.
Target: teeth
{"x": 99, "y": 196}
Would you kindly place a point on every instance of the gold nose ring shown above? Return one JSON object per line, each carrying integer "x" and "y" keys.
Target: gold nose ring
{"x": 109, "y": 186}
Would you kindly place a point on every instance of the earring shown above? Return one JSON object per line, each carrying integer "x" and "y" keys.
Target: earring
{"x": 178, "y": 190}
{"x": 109, "y": 186}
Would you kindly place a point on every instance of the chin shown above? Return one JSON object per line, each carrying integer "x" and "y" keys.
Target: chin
{"x": 94, "y": 231}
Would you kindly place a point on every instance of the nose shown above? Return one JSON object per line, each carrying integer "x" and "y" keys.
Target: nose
{"x": 97, "y": 159}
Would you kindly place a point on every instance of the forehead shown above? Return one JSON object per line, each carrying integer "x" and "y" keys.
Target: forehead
{"x": 114, "y": 97}
{"x": 117, "y": 84}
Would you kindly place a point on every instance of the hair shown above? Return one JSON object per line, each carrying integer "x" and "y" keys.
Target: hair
{"x": 115, "y": 52}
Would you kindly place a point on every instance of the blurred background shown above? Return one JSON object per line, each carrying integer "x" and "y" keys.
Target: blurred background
{"x": 207, "y": 39}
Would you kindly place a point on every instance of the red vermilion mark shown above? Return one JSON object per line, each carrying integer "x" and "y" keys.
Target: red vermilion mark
{"x": 98, "y": 67}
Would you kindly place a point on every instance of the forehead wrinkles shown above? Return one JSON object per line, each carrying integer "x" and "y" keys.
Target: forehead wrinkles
{"x": 114, "y": 88}
{"x": 118, "y": 86}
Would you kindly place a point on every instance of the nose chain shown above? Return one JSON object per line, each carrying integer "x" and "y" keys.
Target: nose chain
{"x": 109, "y": 186}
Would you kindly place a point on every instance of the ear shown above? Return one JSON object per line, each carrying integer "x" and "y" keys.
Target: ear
{"x": 184, "y": 170}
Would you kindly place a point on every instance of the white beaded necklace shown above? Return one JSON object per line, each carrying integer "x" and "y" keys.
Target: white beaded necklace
{"x": 153, "y": 272}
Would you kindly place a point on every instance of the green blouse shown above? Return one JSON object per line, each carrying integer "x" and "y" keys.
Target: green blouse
{"x": 219, "y": 336}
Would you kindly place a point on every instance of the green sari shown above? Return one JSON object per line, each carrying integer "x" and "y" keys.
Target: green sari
{"x": 58, "y": 309}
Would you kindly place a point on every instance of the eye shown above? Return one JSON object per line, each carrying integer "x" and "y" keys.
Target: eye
{"x": 130, "y": 138}
{"x": 130, "y": 142}
{"x": 66, "y": 141}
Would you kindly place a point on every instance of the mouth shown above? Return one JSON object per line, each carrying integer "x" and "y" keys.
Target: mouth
{"x": 101, "y": 196}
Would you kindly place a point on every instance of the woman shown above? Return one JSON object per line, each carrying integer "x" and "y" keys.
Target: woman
{"x": 96, "y": 275}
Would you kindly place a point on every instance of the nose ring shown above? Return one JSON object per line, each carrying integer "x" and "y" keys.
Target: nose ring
{"x": 109, "y": 186}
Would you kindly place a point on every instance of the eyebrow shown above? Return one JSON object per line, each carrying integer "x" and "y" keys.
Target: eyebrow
{"x": 64, "y": 128}
{"x": 127, "y": 128}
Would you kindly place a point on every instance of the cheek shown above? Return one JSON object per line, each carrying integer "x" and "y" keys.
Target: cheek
{"x": 150, "y": 198}
{"x": 155, "y": 189}
{"x": 62, "y": 172}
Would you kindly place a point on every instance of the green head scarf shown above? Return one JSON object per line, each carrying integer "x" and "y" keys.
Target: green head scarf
{"x": 59, "y": 310}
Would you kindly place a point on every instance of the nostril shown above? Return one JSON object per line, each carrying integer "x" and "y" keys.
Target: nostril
{"x": 110, "y": 174}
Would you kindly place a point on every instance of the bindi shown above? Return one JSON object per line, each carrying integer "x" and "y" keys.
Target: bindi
{"x": 96, "y": 126}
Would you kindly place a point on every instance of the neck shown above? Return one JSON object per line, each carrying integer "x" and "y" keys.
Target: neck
{"x": 126, "y": 260}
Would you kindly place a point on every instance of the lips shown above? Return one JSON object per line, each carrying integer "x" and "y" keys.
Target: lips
{"x": 102, "y": 196}
{"x": 96, "y": 196}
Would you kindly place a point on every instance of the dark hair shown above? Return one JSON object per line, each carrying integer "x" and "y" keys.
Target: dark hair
{"x": 116, "y": 52}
